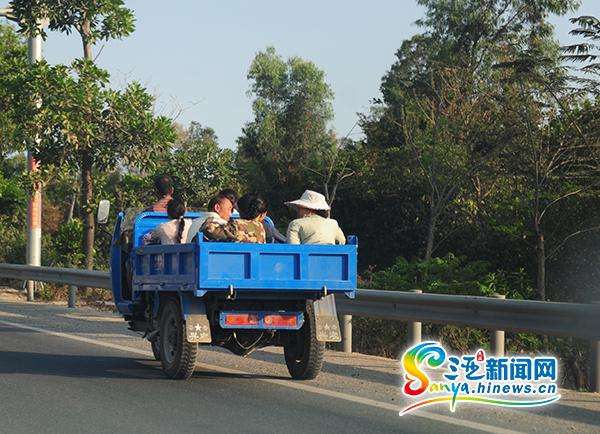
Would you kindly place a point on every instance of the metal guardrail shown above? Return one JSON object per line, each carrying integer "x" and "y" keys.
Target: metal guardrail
{"x": 66, "y": 276}
{"x": 541, "y": 317}
{"x": 546, "y": 318}
{"x": 497, "y": 314}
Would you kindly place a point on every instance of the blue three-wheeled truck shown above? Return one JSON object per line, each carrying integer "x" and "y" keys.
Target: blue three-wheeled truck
{"x": 234, "y": 295}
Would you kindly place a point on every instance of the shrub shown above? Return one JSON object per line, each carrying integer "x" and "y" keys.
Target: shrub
{"x": 13, "y": 241}
{"x": 449, "y": 275}
{"x": 455, "y": 275}
{"x": 63, "y": 249}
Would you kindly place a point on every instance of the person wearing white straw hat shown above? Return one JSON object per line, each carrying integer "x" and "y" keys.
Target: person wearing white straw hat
{"x": 313, "y": 226}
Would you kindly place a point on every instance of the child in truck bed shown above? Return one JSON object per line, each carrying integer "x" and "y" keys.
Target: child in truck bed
{"x": 247, "y": 229}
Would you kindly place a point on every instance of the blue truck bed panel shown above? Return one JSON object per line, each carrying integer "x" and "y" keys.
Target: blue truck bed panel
{"x": 211, "y": 266}
{"x": 168, "y": 267}
{"x": 217, "y": 266}
{"x": 276, "y": 266}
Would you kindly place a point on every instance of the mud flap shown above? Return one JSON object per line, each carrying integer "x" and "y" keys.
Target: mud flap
{"x": 326, "y": 320}
{"x": 197, "y": 329}
{"x": 197, "y": 326}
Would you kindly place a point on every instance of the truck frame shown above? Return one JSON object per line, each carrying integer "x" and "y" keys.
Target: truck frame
{"x": 238, "y": 296}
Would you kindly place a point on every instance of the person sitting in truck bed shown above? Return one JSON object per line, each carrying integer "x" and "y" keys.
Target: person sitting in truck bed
{"x": 231, "y": 195}
{"x": 219, "y": 208}
{"x": 246, "y": 229}
{"x": 313, "y": 225}
{"x": 175, "y": 230}
{"x": 164, "y": 190}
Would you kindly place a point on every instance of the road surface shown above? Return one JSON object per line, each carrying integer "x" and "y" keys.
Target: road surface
{"x": 80, "y": 370}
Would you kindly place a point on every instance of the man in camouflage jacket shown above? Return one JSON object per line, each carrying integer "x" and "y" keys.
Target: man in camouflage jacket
{"x": 237, "y": 230}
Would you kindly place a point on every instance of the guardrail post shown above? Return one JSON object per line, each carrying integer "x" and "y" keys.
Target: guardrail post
{"x": 414, "y": 327}
{"x": 497, "y": 338}
{"x": 595, "y": 368}
{"x": 595, "y": 377}
{"x": 347, "y": 333}
{"x": 72, "y": 296}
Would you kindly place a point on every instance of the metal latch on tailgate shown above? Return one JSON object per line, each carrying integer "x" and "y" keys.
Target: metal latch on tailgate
{"x": 326, "y": 320}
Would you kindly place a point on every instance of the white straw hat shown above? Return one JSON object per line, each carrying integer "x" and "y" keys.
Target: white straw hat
{"x": 311, "y": 200}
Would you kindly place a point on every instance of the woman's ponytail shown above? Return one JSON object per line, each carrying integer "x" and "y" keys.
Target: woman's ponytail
{"x": 180, "y": 228}
{"x": 175, "y": 211}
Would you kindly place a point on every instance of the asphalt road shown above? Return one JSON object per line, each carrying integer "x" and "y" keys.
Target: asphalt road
{"x": 81, "y": 371}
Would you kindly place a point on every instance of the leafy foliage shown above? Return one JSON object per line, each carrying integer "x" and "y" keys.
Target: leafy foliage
{"x": 200, "y": 167}
{"x": 64, "y": 248}
{"x": 94, "y": 19}
{"x": 588, "y": 27}
{"x": 13, "y": 59}
{"x": 82, "y": 124}
{"x": 288, "y": 136}
{"x": 449, "y": 275}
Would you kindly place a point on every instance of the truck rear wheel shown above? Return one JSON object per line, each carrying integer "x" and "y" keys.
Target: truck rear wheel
{"x": 304, "y": 353}
{"x": 177, "y": 355}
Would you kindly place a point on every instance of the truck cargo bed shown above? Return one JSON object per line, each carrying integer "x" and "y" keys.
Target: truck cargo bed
{"x": 221, "y": 266}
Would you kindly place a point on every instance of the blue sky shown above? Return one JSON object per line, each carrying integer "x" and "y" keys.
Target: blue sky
{"x": 194, "y": 54}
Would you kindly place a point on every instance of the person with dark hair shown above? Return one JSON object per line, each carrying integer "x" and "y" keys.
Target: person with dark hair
{"x": 175, "y": 230}
{"x": 231, "y": 195}
{"x": 273, "y": 235}
{"x": 163, "y": 185}
{"x": 313, "y": 225}
{"x": 246, "y": 229}
{"x": 251, "y": 206}
{"x": 219, "y": 209}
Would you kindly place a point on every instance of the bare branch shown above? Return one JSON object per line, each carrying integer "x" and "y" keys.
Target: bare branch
{"x": 574, "y": 234}
{"x": 558, "y": 199}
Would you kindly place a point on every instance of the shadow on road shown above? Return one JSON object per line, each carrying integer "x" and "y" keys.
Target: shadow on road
{"x": 362, "y": 372}
{"x": 199, "y": 373}
{"x": 65, "y": 365}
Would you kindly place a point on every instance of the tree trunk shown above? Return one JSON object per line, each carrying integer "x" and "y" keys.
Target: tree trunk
{"x": 85, "y": 39}
{"x": 540, "y": 250}
{"x": 71, "y": 210}
{"x": 87, "y": 192}
{"x": 430, "y": 234}
{"x": 88, "y": 212}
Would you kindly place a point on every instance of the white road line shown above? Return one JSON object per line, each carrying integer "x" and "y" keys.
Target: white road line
{"x": 12, "y": 315}
{"x": 285, "y": 383}
{"x": 92, "y": 318}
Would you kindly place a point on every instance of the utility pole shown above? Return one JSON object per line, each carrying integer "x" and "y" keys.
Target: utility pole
{"x": 34, "y": 210}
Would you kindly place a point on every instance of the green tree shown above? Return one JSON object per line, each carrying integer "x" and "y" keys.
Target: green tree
{"x": 552, "y": 165}
{"x": 85, "y": 125}
{"x": 586, "y": 52}
{"x": 588, "y": 27}
{"x": 442, "y": 102}
{"x": 288, "y": 136}
{"x": 92, "y": 20}
{"x": 200, "y": 167}
{"x": 13, "y": 60}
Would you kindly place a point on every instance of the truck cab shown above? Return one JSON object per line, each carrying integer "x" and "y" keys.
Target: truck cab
{"x": 238, "y": 296}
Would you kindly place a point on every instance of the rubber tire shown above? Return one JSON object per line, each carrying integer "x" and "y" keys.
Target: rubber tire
{"x": 184, "y": 357}
{"x": 156, "y": 348}
{"x": 304, "y": 355}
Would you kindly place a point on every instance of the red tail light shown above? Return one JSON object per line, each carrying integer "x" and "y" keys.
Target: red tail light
{"x": 241, "y": 319}
{"x": 280, "y": 320}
